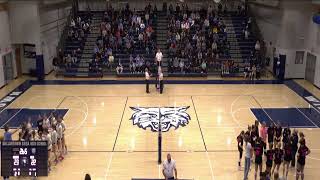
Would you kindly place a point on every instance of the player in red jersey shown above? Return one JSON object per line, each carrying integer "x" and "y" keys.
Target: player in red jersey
{"x": 287, "y": 157}
{"x": 270, "y": 132}
{"x": 258, "y": 152}
{"x": 278, "y": 155}
{"x": 270, "y": 157}
{"x": 240, "y": 147}
{"x": 278, "y": 134}
{"x": 303, "y": 151}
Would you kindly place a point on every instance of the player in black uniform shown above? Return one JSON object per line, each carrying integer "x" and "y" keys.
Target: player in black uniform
{"x": 286, "y": 135}
{"x": 303, "y": 151}
{"x": 270, "y": 157}
{"x": 270, "y": 132}
{"x": 287, "y": 157}
{"x": 278, "y": 133}
{"x": 258, "y": 151}
{"x": 254, "y": 135}
{"x": 240, "y": 147}
{"x": 256, "y": 124}
{"x": 294, "y": 139}
{"x": 278, "y": 154}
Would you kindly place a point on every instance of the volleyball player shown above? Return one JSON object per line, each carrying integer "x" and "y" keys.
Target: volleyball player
{"x": 278, "y": 134}
{"x": 64, "y": 145}
{"x": 254, "y": 135}
{"x": 294, "y": 139}
{"x": 40, "y": 124}
{"x": 47, "y": 137}
{"x": 278, "y": 154}
{"x": 286, "y": 135}
{"x": 270, "y": 157}
{"x": 59, "y": 130}
{"x": 303, "y": 151}
{"x": 258, "y": 151}
{"x": 256, "y": 124}
{"x": 287, "y": 157}
{"x": 54, "y": 138}
{"x": 263, "y": 135}
{"x": 240, "y": 147}
{"x": 270, "y": 132}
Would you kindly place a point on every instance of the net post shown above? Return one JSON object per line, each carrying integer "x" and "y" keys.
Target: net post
{"x": 159, "y": 140}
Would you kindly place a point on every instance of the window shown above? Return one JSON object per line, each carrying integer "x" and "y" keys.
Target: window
{"x": 299, "y": 57}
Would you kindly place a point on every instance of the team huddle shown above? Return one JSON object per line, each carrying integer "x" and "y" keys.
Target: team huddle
{"x": 50, "y": 129}
{"x": 282, "y": 149}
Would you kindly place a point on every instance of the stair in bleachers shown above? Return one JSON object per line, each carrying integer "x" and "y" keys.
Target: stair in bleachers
{"x": 240, "y": 48}
{"x": 162, "y": 28}
{"x": 87, "y": 53}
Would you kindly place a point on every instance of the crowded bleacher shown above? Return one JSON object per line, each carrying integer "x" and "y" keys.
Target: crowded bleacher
{"x": 217, "y": 39}
{"x": 126, "y": 42}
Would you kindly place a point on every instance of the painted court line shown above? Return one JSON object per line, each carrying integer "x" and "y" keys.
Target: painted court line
{"x": 264, "y": 110}
{"x": 307, "y": 117}
{"x": 108, "y": 167}
{"x": 124, "y": 108}
{"x": 210, "y": 165}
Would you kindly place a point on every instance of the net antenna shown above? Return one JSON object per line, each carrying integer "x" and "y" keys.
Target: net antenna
{"x": 159, "y": 139}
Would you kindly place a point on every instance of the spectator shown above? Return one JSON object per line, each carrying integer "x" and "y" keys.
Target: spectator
{"x": 119, "y": 69}
{"x": 257, "y": 46}
{"x": 111, "y": 59}
{"x": 203, "y": 67}
{"x": 181, "y": 65}
{"x": 159, "y": 57}
{"x": 87, "y": 177}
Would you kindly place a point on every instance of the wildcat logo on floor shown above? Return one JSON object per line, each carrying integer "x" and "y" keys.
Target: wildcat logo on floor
{"x": 145, "y": 117}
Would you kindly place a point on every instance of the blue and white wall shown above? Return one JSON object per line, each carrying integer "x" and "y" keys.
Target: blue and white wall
{"x": 24, "y": 25}
{"x": 289, "y": 26}
{"x": 52, "y": 23}
{"x": 5, "y": 43}
{"x": 32, "y": 24}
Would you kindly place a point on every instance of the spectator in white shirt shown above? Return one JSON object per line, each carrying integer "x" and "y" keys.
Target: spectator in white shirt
{"x": 169, "y": 166}
{"x": 159, "y": 57}
{"x": 119, "y": 69}
{"x": 72, "y": 24}
{"x": 257, "y": 46}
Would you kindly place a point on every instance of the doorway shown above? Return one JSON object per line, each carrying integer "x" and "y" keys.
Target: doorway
{"x": 7, "y": 61}
{"x": 310, "y": 68}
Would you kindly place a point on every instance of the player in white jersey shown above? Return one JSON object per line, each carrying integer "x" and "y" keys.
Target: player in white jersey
{"x": 54, "y": 138}
{"x": 59, "y": 130}
{"x": 47, "y": 137}
{"x": 63, "y": 140}
{"x": 46, "y": 122}
{"x": 61, "y": 127}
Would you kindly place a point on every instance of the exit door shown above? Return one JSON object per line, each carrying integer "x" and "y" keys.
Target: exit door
{"x": 7, "y": 67}
{"x": 310, "y": 68}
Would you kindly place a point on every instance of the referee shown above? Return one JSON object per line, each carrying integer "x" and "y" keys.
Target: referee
{"x": 161, "y": 81}
{"x": 147, "y": 77}
{"x": 169, "y": 166}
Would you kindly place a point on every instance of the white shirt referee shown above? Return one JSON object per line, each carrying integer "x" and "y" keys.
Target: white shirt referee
{"x": 169, "y": 166}
{"x": 147, "y": 77}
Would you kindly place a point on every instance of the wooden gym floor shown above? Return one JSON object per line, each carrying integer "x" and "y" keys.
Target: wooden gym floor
{"x": 103, "y": 141}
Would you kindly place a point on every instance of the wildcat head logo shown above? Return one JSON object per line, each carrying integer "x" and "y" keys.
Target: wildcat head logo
{"x": 145, "y": 117}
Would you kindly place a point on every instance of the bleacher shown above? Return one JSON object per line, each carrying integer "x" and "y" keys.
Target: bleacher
{"x": 122, "y": 56}
{"x": 240, "y": 49}
{"x": 81, "y": 69}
